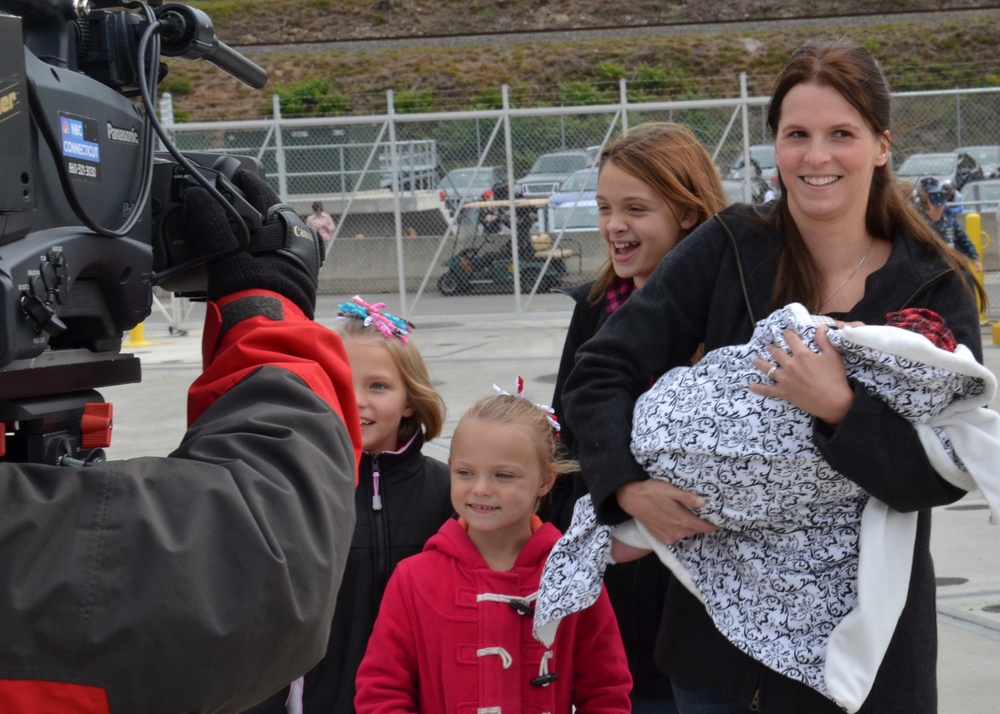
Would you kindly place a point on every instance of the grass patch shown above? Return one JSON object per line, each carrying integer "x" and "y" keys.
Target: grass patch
{"x": 543, "y": 72}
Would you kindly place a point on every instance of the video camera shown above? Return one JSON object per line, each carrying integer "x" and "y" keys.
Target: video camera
{"x": 88, "y": 210}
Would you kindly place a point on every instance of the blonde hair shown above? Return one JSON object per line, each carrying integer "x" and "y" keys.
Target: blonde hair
{"x": 427, "y": 405}
{"x": 516, "y": 411}
{"x": 670, "y": 160}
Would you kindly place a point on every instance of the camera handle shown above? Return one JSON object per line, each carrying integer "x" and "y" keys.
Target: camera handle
{"x": 188, "y": 33}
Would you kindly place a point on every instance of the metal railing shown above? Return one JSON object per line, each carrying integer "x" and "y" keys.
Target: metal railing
{"x": 379, "y": 176}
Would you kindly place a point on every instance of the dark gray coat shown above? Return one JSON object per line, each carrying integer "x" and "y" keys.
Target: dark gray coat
{"x": 203, "y": 581}
{"x": 704, "y": 291}
{"x": 637, "y": 590}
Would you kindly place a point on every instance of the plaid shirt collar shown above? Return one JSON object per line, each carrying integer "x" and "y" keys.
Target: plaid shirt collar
{"x": 618, "y": 292}
{"x": 924, "y": 322}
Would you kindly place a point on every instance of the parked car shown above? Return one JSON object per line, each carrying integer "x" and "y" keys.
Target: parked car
{"x": 467, "y": 183}
{"x": 593, "y": 154}
{"x": 580, "y": 185}
{"x": 988, "y": 158}
{"x": 957, "y": 167}
{"x": 572, "y": 216}
{"x": 981, "y": 196}
{"x": 762, "y": 158}
{"x": 549, "y": 171}
{"x": 734, "y": 189}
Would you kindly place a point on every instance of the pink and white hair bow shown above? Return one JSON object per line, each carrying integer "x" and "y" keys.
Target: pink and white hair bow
{"x": 550, "y": 413}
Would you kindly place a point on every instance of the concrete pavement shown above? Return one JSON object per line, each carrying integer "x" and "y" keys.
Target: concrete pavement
{"x": 467, "y": 353}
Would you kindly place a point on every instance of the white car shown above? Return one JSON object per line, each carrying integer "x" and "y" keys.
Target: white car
{"x": 762, "y": 159}
{"x": 572, "y": 217}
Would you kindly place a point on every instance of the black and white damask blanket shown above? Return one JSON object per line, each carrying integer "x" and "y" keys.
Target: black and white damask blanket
{"x": 807, "y": 574}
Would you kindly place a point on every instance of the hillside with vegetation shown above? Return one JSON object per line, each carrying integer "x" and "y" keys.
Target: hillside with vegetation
{"x": 327, "y": 57}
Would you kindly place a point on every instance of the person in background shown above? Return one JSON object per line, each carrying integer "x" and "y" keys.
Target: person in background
{"x": 454, "y": 630}
{"x": 771, "y": 193}
{"x": 321, "y": 222}
{"x": 492, "y": 218}
{"x": 933, "y": 200}
{"x": 202, "y": 581}
{"x": 842, "y": 240}
{"x": 401, "y": 500}
{"x": 953, "y": 198}
{"x": 655, "y": 185}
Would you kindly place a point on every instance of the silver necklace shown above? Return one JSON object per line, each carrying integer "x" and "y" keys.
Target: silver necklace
{"x": 853, "y": 273}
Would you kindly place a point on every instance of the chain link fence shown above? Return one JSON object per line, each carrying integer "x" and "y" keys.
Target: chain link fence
{"x": 426, "y": 217}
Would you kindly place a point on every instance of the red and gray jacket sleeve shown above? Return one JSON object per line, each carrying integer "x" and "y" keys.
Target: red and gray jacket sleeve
{"x": 199, "y": 582}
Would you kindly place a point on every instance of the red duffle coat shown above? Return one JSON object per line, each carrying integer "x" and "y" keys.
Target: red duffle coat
{"x": 448, "y": 640}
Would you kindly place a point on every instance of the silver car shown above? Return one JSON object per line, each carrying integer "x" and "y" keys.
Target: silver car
{"x": 549, "y": 171}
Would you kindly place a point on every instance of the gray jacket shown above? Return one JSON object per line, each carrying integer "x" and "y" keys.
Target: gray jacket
{"x": 203, "y": 581}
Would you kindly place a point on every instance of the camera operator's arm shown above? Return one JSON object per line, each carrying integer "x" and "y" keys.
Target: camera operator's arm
{"x": 205, "y": 581}
{"x": 248, "y": 407}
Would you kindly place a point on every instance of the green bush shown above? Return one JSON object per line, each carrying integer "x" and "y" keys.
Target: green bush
{"x": 414, "y": 102}
{"x": 311, "y": 98}
{"x": 491, "y": 98}
{"x": 580, "y": 94}
{"x": 221, "y": 10}
{"x": 176, "y": 84}
{"x": 652, "y": 79}
{"x": 611, "y": 71}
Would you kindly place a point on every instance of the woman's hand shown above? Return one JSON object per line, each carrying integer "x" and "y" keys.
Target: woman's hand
{"x": 814, "y": 382}
{"x": 664, "y": 509}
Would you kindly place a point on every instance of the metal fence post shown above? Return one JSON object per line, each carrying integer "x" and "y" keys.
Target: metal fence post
{"x": 509, "y": 148}
{"x": 397, "y": 209}
{"x": 747, "y": 166}
{"x": 279, "y": 150}
{"x": 166, "y": 108}
{"x": 623, "y": 98}
{"x": 958, "y": 120}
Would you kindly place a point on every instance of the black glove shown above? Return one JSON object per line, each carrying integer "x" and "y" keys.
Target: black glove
{"x": 284, "y": 254}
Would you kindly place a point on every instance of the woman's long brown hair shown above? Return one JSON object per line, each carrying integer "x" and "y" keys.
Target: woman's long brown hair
{"x": 852, "y": 71}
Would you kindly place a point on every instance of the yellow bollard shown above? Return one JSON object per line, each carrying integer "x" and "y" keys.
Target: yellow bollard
{"x": 137, "y": 337}
{"x": 980, "y": 239}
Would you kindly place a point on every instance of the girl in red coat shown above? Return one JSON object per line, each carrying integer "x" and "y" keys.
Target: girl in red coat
{"x": 453, "y": 634}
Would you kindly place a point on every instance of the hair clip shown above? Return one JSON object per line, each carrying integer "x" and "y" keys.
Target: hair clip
{"x": 550, "y": 413}
{"x": 388, "y": 325}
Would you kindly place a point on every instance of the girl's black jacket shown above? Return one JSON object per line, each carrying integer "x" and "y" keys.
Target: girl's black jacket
{"x": 637, "y": 590}
{"x": 711, "y": 289}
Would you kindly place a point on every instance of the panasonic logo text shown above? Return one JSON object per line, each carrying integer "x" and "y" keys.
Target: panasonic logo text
{"x": 128, "y": 136}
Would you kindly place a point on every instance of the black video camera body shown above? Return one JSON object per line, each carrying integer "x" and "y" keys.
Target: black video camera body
{"x": 86, "y": 219}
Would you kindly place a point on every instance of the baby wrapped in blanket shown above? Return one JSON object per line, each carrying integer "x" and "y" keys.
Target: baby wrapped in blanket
{"x": 807, "y": 573}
